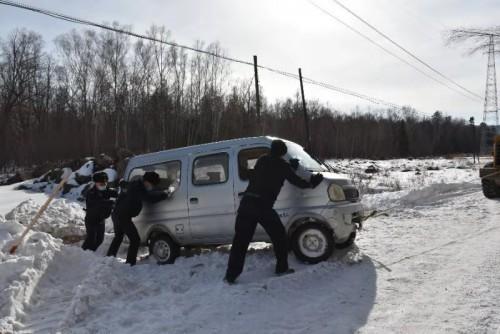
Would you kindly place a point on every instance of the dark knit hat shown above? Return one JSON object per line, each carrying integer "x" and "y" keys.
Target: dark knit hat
{"x": 151, "y": 177}
{"x": 100, "y": 177}
{"x": 278, "y": 148}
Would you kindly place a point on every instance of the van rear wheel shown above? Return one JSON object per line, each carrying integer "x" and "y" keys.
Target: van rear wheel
{"x": 163, "y": 249}
{"x": 312, "y": 242}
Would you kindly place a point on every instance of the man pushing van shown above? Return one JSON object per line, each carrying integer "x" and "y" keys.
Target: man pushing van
{"x": 129, "y": 205}
{"x": 98, "y": 207}
{"x": 256, "y": 206}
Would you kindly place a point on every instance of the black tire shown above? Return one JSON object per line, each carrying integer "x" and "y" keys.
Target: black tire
{"x": 163, "y": 249}
{"x": 312, "y": 242}
{"x": 490, "y": 189}
{"x": 348, "y": 242}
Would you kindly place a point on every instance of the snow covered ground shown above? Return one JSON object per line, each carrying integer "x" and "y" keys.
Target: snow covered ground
{"x": 9, "y": 198}
{"x": 430, "y": 266}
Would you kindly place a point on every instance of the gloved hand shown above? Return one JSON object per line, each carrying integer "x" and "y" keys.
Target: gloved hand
{"x": 170, "y": 191}
{"x": 294, "y": 163}
{"x": 316, "y": 179}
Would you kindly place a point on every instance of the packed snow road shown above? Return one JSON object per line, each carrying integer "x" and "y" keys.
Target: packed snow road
{"x": 441, "y": 270}
{"x": 430, "y": 266}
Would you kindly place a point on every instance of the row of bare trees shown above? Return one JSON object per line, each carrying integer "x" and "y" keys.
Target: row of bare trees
{"x": 98, "y": 91}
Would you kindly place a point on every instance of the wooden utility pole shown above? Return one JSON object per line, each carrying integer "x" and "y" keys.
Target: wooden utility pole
{"x": 257, "y": 93}
{"x": 306, "y": 118}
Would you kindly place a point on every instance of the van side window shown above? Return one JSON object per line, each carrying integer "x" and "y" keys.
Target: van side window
{"x": 170, "y": 174}
{"x": 211, "y": 169}
{"x": 247, "y": 158}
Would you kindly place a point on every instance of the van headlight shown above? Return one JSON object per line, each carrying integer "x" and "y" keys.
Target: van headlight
{"x": 336, "y": 193}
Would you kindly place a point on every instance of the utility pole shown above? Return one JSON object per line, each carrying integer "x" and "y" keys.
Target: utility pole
{"x": 304, "y": 108}
{"x": 474, "y": 143}
{"x": 257, "y": 95}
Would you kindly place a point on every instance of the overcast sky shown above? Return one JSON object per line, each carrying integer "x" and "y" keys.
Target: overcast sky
{"x": 288, "y": 34}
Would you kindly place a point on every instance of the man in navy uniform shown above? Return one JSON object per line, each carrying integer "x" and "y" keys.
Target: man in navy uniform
{"x": 129, "y": 205}
{"x": 98, "y": 207}
{"x": 256, "y": 206}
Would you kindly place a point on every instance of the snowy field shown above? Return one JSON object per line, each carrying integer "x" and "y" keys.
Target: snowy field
{"x": 431, "y": 265}
{"x": 9, "y": 198}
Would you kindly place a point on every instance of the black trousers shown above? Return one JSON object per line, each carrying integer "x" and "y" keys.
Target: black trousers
{"x": 124, "y": 226}
{"x": 95, "y": 235}
{"x": 251, "y": 212}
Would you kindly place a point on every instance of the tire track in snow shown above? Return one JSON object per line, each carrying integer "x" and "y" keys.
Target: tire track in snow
{"x": 453, "y": 242}
{"x": 455, "y": 287}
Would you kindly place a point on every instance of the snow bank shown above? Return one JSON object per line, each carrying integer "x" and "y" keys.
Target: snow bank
{"x": 62, "y": 218}
{"x": 190, "y": 297}
{"x": 38, "y": 257}
{"x": 435, "y": 194}
{"x": 20, "y": 272}
{"x": 77, "y": 182}
{"x": 405, "y": 182}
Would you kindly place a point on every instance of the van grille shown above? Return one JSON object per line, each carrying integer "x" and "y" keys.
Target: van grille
{"x": 351, "y": 193}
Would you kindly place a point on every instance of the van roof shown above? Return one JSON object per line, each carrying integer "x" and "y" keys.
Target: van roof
{"x": 154, "y": 157}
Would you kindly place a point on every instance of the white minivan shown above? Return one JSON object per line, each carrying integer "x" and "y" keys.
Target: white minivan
{"x": 207, "y": 182}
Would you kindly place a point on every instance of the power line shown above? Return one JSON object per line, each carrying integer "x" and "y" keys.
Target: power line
{"x": 185, "y": 47}
{"x": 380, "y": 46}
{"x": 476, "y": 32}
{"x": 404, "y": 49}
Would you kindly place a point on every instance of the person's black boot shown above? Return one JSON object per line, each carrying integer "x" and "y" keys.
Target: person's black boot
{"x": 229, "y": 280}
{"x": 285, "y": 272}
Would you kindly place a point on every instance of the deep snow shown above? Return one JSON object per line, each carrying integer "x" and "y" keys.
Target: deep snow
{"x": 430, "y": 266}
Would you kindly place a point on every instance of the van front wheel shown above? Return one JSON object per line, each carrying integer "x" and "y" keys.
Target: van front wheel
{"x": 312, "y": 242}
{"x": 163, "y": 249}
{"x": 348, "y": 243}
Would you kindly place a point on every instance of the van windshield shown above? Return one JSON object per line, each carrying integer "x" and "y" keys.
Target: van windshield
{"x": 296, "y": 151}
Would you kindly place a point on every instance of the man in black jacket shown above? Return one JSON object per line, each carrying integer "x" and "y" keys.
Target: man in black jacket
{"x": 129, "y": 205}
{"x": 98, "y": 207}
{"x": 256, "y": 206}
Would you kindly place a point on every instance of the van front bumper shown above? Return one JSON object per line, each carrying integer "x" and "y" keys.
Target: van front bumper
{"x": 347, "y": 213}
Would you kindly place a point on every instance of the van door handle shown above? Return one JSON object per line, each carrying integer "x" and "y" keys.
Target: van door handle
{"x": 193, "y": 200}
{"x": 241, "y": 194}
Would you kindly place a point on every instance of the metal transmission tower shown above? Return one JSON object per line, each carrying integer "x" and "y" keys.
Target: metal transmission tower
{"x": 484, "y": 40}
{"x": 490, "y": 95}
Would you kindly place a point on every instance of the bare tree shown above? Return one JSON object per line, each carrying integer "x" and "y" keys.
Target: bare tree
{"x": 101, "y": 92}
{"x": 162, "y": 62}
{"x": 112, "y": 53}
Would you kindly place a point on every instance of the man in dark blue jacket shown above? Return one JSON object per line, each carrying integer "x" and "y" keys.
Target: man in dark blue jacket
{"x": 256, "y": 206}
{"x": 129, "y": 205}
{"x": 98, "y": 207}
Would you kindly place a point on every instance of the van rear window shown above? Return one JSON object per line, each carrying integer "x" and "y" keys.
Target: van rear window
{"x": 170, "y": 174}
{"x": 211, "y": 169}
{"x": 247, "y": 158}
